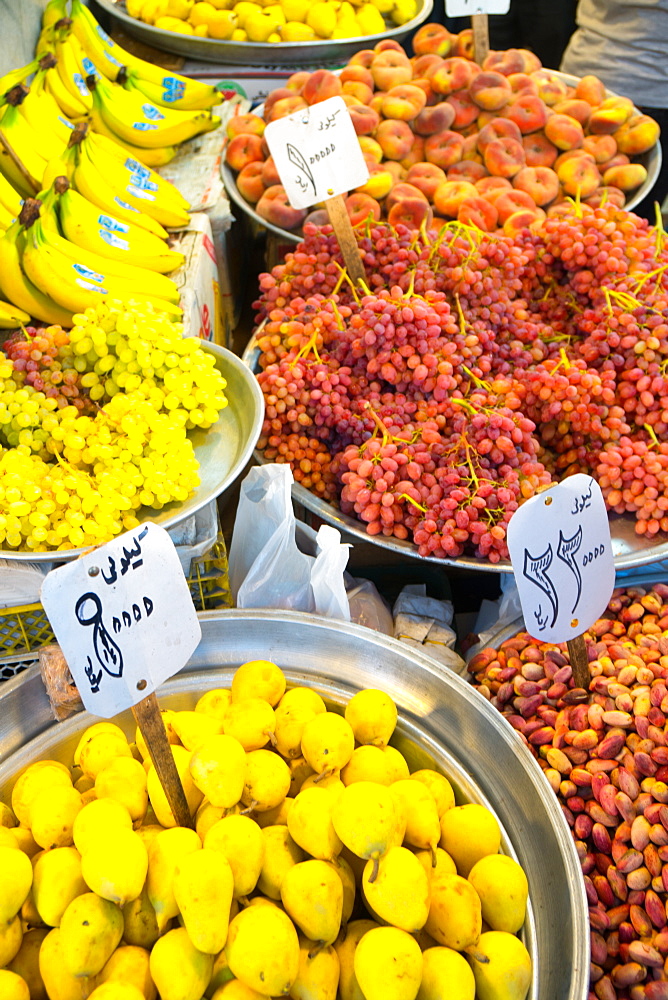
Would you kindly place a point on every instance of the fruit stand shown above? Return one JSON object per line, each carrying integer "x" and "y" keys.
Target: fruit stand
{"x": 343, "y": 816}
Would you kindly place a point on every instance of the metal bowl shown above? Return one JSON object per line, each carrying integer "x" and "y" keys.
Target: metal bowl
{"x": 223, "y": 451}
{"x": 444, "y": 722}
{"x": 316, "y": 54}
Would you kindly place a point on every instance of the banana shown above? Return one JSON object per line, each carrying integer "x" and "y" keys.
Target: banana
{"x": 61, "y": 166}
{"x": 43, "y": 112}
{"x": 39, "y": 117}
{"x": 18, "y": 136}
{"x": 70, "y": 70}
{"x": 54, "y": 11}
{"x": 10, "y": 199}
{"x": 16, "y": 76}
{"x": 89, "y": 182}
{"x": 12, "y": 317}
{"x": 74, "y": 285}
{"x": 84, "y": 224}
{"x": 140, "y": 187}
{"x": 71, "y": 106}
{"x": 172, "y": 93}
{"x": 131, "y": 116}
{"x": 99, "y": 47}
{"x": 149, "y": 157}
{"x": 19, "y": 290}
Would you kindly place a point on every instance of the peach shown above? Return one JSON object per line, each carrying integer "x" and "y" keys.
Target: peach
{"x": 410, "y": 212}
{"x": 360, "y": 206}
{"x": 498, "y": 128}
{"x": 249, "y": 181}
{"x": 433, "y": 119}
{"x": 601, "y": 147}
{"x": 376, "y": 102}
{"x": 578, "y": 175}
{"x": 425, "y": 65}
{"x": 360, "y": 91}
{"x": 320, "y": 86}
{"x": 618, "y": 160}
{"x": 317, "y": 217}
{"x": 391, "y": 68}
{"x": 627, "y": 177}
{"x": 530, "y": 61}
{"x": 538, "y": 150}
{"x": 357, "y": 74}
{"x": 454, "y": 74}
{"x": 275, "y": 208}
{"x": 466, "y": 111}
{"x": 521, "y": 83}
{"x": 379, "y": 182}
{"x": 637, "y": 135}
{"x": 606, "y": 195}
{"x": 504, "y": 157}
{"x": 477, "y": 211}
{"x": 565, "y": 132}
{"x": 551, "y": 88}
{"x": 504, "y": 61}
{"x": 432, "y": 38}
{"x": 490, "y": 90}
{"x": 370, "y": 148}
{"x": 610, "y": 115}
{"x": 386, "y": 44}
{"x": 426, "y": 177}
{"x": 511, "y": 201}
{"x": 462, "y": 44}
{"x": 404, "y": 102}
{"x": 529, "y": 112}
{"x": 576, "y": 108}
{"x": 297, "y": 80}
{"x": 269, "y": 172}
{"x": 467, "y": 170}
{"x": 365, "y": 120}
{"x": 449, "y": 196}
{"x": 415, "y": 154}
{"x": 240, "y": 124}
{"x": 276, "y": 95}
{"x": 523, "y": 219}
{"x": 470, "y": 151}
{"x": 349, "y": 100}
{"x": 493, "y": 187}
{"x": 540, "y": 183}
{"x": 285, "y": 106}
{"x": 396, "y": 169}
{"x": 431, "y": 97}
{"x": 590, "y": 89}
{"x": 444, "y": 148}
{"x": 403, "y": 190}
{"x": 243, "y": 149}
{"x": 395, "y": 138}
{"x": 363, "y": 57}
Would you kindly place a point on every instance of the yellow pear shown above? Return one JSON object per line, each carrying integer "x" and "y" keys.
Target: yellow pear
{"x": 281, "y": 854}
{"x": 330, "y": 782}
{"x": 7, "y": 817}
{"x": 157, "y": 795}
{"x": 11, "y": 937}
{"x": 345, "y": 947}
{"x": 97, "y": 819}
{"x": 166, "y": 852}
{"x": 130, "y": 964}
{"x": 501, "y": 967}
{"x": 444, "y": 863}
{"x": 300, "y": 770}
{"x": 439, "y": 786}
{"x": 90, "y": 930}
{"x": 194, "y": 728}
{"x": 203, "y": 889}
{"x": 384, "y": 765}
{"x": 347, "y": 876}
{"x": 388, "y": 964}
{"x": 251, "y": 721}
{"x": 241, "y": 843}
{"x": 91, "y": 732}
{"x": 36, "y": 777}
{"x": 17, "y": 876}
{"x": 443, "y": 965}
{"x": 13, "y": 986}
{"x": 218, "y": 768}
{"x": 318, "y": 973}
{"x": 310, "y": 824}
{"x": 278, "y": 816}
{"x": 312, "y": 895}
{"x": 214, "y": 702}
{"x": 59, "y": 982}
{"x": 258, "y": 679}
{"x": 399, "y": 894}
{"x": 178, "y": 969}
{"x": 116, "y": 991}
{"x": 468, "y": 833}
{"x": 52, "y": 815}
{"x": 365, "y": 817}
{"x": 327, "y": 739}
{"x": 455, "y": 918}
{"x": 26, "y": 962}
{"x": 124, "y": 780}
{"x": 98, "y": 752}
{"x": 140, "y": 924}
{"x": 267, "y": 780}
{"x": 234, "y": 989}
{"x": 222, "y": 974}
{"x": 207, "y": 815}
{"x": 262, "y": 950}
{"x": 422, "y": 824}
{"x": 115, "y": 866}
{"x": 57, "y": 881}
{"x": 372, "y": 715}
{"x": 297, "y": 706}
{"x": 503, "y": 889}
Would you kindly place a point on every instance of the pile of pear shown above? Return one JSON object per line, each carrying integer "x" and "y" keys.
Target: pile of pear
{"x": 318, "y": 867}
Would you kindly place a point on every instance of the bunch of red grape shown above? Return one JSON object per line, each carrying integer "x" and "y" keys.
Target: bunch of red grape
{"x": 43, "y": 359}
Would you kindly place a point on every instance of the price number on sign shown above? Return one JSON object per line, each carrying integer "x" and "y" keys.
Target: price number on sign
{"x": 316, "y": 152}
{"x": 463, "y": 8}
{"x": 560, "y": 549}
{"x": 124, "y": 618}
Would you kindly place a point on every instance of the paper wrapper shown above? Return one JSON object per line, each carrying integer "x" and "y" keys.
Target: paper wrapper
{"x": 59, "y": 683}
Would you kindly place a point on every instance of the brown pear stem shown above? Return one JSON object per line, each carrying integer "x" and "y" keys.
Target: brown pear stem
{"x": 374, "y": 871}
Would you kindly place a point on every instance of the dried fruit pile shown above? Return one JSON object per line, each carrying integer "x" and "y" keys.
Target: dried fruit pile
{"x": 606, "y": 757}
{"x": 471, "y": 369}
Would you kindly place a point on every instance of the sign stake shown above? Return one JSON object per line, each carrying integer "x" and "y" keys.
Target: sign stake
{"x": 577, "y": 651}
{"x": 148, "y": 718}
{"x": 480, "y": 26}
{"x": 340, "y": 220}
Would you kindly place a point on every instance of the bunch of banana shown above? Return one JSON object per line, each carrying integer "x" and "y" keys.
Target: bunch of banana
{"x": 18, "y": 289}
{"x": 16, "y": 76}
{"x": 21, "y": 159}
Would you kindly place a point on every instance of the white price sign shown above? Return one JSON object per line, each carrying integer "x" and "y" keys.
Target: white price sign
{"x": 124, "y": 618}
{"x": 561, "y": 552}
{"x": 316, "y": 152}
{"x": 463, "y": 8}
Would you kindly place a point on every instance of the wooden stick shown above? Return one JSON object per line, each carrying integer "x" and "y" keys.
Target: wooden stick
{"x": 149, "y": 720}
{"x": 577, "y": 651}
{"x": 340, "y": 220}
{"x": 480, "y": 27}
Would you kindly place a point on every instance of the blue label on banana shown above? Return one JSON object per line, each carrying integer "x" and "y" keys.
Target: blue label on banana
{"x": 91, "y": 288}
{"x": 138, "y": 180}
{"x": 90, "y": 67}
{"x": 136, "y": 168}
{"x": 103, "y": 34}
{"x": 86, "y": 272}
{"x": 144, "y": 126}
{"x": 113, "y": 240}
{"x": 151, "y": 112}
{"x": 65, "y": 121}
{"x": 174, "y": 89}
{"x": 138, "y": 192}
{"x": 124, "y": 204}
{"x": 80, "y": 84}
{"x": 107, "y": 222}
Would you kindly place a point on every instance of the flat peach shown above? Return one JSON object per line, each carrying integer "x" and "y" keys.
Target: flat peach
{"x": 415, "y": 154}
{"x": 467, "y": 170}
{"x": 277, "y": 95}
{"x": 426, "y": 177}
{"x": 362, "y": 206}
{"x": 610, "y": 115}
{"x": 425, "y": 65}
{"x": 551, "y": 87}
{"x": 249, "y": 181}
{"x": 404, "y": 102}
{"x": 490, "y": 90}
{"x": 396, "y": 169}
{"x": 521, "y": 83}
{"x": 504, "y": 61}
{"x": 528, "y": 111}
{"x": 410, "y": 212}
{"x": 317, "y": 217}
{"x": 462, "y": 44}
{"x": 493, "y": 187}
{"x": 521, "y": 220}
{"x": 449, "y": 196}
{"x": 275, "y": 208}
{"x": 504, "y": 157}
{"x": 538, "y": 150}
{"x": 590, "y": 89}
{"x": 540, "y": 183}
{"x": 601, "y": 147}
{"x": 285, "y": 106}
{"x": 239, "y": 124}
{"x": 466, "y": 111}
{"x": 478, "y": 212}
{"x": 360, "y": 91}
{"x": 454, "y": 74}
{"x": 388, "y": 44}
{"x": 370, "y": 148}
{"x": 297, "y": 80}
{"x": 365, "y": 120}
{"x": 432, "y": 38}
{"x": 320, "y": 86}
{"x": 498, "y": 128}
{"x": 637, "y": 135}
{"x": 378, "y": 184}
{"x": 433, "y": 119}
{"x": 627, "y": 177}
{"x": 606, "y": 195}
{"x": 578, "y": 109}
{"x": 403, "y": 189}
{"x": 530, "y": 61}
{"x": 357, "y": 74}
{"x": 512, "y": 201}
{"x": 270, "y": 173}
{"x": 363, "y": 57}
{"x": 618, "y": 160}
{"x": 391, "y": 68}
{"x": 243, "y": 149}
{"x": 395, "y": 138}
{"x": 565, "y": 132}
{"x": 444, "y": 148}
{"x": 579, "y": 175}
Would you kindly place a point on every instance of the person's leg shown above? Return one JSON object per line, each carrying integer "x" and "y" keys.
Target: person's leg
{"x": 660, "y": 190}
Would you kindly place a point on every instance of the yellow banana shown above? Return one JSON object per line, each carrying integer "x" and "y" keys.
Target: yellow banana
{"x": 75, "y": 286}
{"x": 12, "y": 317}
{"x": 61, "y": 166}
{"x": 16, "y": 76}
{"x": 84, "y": 224}
{"x": 131, "y": 116}
{"x": 17, "y": 135}
{"x": 54, "y": 11}
{"x": 72, "y": 107}
{"x": 10, "y": 199}
{"x": 149, "y": 157}
{"x": 89, "y": 182}
{"x": 99, "y": 47}
{"x": 42, "y": 110}
{"x": 70, "y": 71}
{"x": 19, "y": 290}
{"x": 140, "y": 186}
{"x": 38, "y": 117}
{"x": 6, "y": 218}
{"x": 175, "y": 92}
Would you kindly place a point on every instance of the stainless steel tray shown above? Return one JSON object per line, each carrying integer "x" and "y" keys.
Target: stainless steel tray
{"x": 443, "y": 722}
{"x": 316, "y": 54}
{"x": 629, "y": 549}
{"x": 223, "y": 452}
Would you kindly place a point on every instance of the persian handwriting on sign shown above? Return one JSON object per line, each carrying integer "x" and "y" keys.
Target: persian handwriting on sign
{"x": 328, "y": 122}
{"x": 127, "y": 559}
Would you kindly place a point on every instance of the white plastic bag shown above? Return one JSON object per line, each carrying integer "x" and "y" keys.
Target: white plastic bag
{"x": 267, "y": 569}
